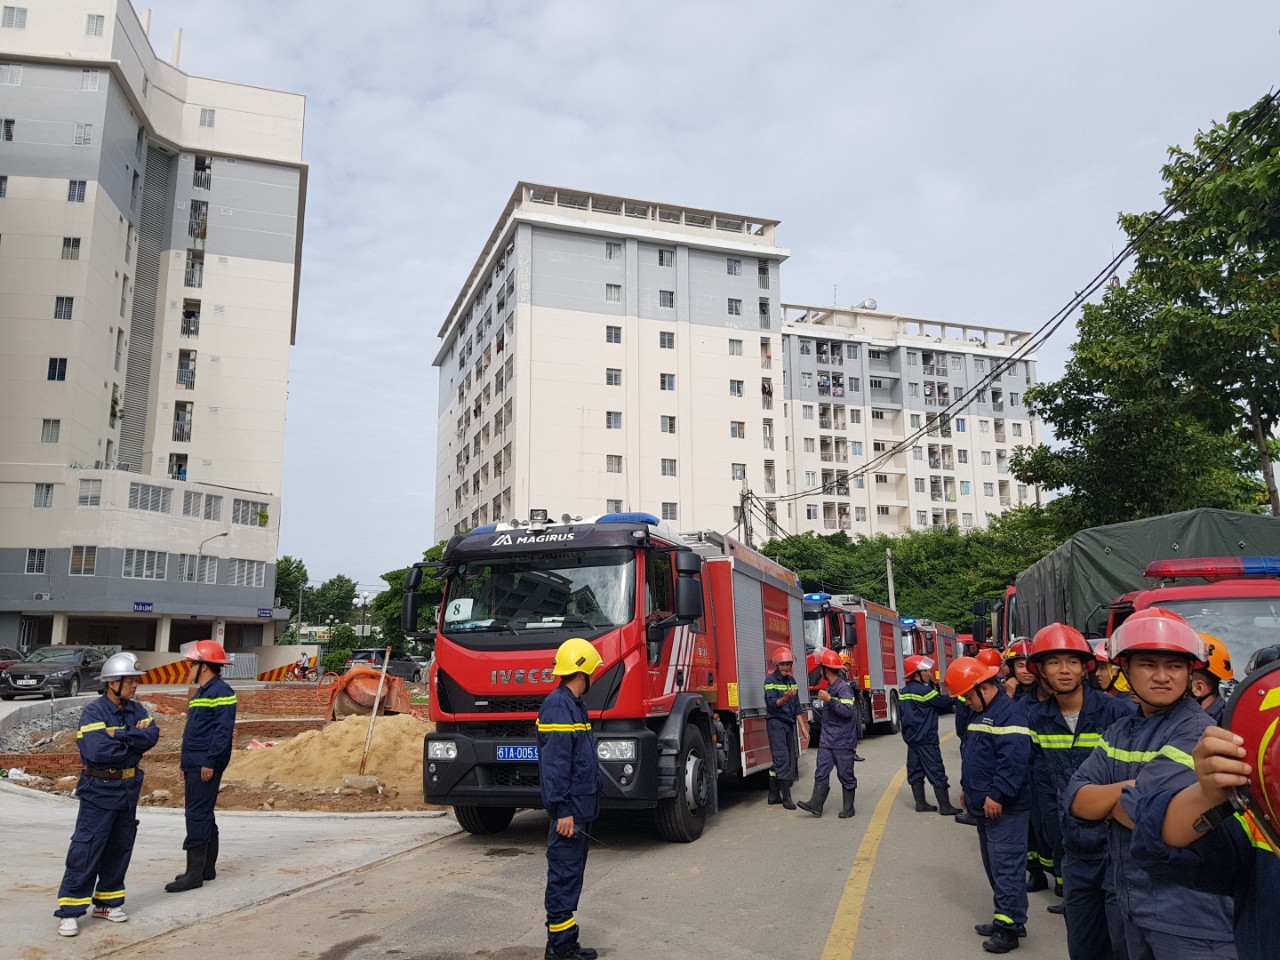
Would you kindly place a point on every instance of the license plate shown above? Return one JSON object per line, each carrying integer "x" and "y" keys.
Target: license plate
{"x": 27, "y": 683}
{"x": 518, "y": 753}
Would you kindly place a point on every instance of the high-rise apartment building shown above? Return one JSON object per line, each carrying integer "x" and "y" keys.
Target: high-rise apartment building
{"x": 150, "y": 237}
{"x": 613, "y": 354}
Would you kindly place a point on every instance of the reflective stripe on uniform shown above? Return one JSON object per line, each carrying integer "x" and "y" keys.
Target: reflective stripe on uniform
{"x": 89, "y": 728}
{"x": 1251, "y": 830}
{"x": 1128, "y": 756}
{"x": 1065, "y": 741}
{"x": 918, "y": 697}
{"x": 1000, "y": 731}
{"x": 228, "y": 701}
{"x": 562, "y": 727}
{"x": 1007, "y": 921}
{"x": 74, "y": 901}
{"x": 109, "y": 895}
{"x": 779, "y": 686}
{"x": 1180, "y": 756}
{"x": 562, "y": 926}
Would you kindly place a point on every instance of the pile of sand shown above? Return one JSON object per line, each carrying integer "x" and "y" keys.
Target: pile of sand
{"x": 318, "y": 759}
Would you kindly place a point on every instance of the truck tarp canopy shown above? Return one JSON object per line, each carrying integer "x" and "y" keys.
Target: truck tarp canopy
{"x": 1098, "y": 565}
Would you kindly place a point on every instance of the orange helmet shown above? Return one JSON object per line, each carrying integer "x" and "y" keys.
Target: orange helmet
{"x": 1254, "y": 715}
{"x": 990, "y": 656}
{"x": 829, "y": 658}
{"x": 1219, "y": 657}
{"x": 207, "y": 651}
{"x": 783, "y": 655}
{"x": 965, "y": 673}
{"x": 1155, "y": 630}
{"x": 1019, "y": 649}
{"x": 1059, "y": 638}
{"x": 917, "y": 662}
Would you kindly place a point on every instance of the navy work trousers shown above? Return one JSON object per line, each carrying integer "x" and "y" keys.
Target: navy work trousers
{"x": 97, "y": 860}
{"x": 924, "y": 762}
{"x": 566, "y": 866}
{"x": 1147, "y": 944}
{"x": 841, "y": 761}
{"x": 1091, "y": 910}
{"x": 1003, "y": 843}
{"x": 782, "y": 745}
{"x": 202, "y": 828}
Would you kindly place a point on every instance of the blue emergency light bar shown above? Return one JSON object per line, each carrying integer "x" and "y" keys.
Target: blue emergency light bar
{"x": 648, "y": 518}
{"x": 907, "y": 621}
{"x": 817, "y": 597}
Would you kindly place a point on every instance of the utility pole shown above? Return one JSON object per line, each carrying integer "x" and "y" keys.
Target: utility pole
{"x": 744, "y": 512}
{"x": 888, "y": 563}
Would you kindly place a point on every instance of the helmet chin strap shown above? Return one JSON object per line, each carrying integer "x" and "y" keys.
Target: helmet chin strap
{"x": 985, "y": 702}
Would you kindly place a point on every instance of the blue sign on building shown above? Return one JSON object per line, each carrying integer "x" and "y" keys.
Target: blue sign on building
{"x": 264, "y": 613}
{"x": 140, "y": 606}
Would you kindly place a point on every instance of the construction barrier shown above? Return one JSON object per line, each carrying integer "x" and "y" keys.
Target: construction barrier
{"x": 177, "y": 672}
{"x": 285, "y": 672}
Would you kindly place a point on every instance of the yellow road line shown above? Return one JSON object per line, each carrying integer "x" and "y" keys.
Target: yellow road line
{"x": 844, "y": 929}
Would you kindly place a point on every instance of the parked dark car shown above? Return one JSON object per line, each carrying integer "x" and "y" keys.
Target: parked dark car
{"x": 400, "y": 665}
{"x": 56, "y": 671}
{"x": 9, "y": 656}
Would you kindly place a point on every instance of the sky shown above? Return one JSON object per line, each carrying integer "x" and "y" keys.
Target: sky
{"x": 957, "y": 161}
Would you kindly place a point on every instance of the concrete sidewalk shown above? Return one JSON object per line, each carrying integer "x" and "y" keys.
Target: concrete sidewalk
{"x": 263, "y": 855}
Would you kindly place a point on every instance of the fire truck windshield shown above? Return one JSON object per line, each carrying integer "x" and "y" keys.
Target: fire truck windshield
{"x": 1244, "y": 624}
{"x": 814, "y": 630}
{"x": 584, "y": 591}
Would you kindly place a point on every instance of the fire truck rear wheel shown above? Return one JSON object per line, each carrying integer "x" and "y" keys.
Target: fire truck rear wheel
{"x": 895, "y": 718}
{"x": 681, "y": 818}
{"x": 484, "y": 820}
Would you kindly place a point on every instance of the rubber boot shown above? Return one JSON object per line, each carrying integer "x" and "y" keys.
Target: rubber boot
{"x": 1036, "y": 880}
{"x": 576, "y": 952}
{"x": 193, "y": 878}
{"x": 210, "y": 861}
{"x": 814, "y": 803}
{"x": 944, "y": 802}
{"x": 1002, "y": 940}
{"x": 847, "y": 810}
{"x": 784, "y": 787}
{"x": 922, "y": 805}
{"x": 965, "y": 818}
{"x": 775, "y": 796}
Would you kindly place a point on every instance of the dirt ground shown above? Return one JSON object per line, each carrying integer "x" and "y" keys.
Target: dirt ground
{"x": 304, "y": 772}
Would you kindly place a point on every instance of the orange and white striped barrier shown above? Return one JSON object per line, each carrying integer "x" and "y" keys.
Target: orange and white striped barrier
{"x": 283, "y": 673}
{"x": 177, "y": 672}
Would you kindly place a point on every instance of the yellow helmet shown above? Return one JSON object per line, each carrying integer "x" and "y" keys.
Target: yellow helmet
{"x": 576, "y": 656}
{"x": 1219, "y": 657}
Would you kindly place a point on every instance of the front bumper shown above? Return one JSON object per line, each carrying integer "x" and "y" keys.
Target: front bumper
{"x": 43, "y": 687}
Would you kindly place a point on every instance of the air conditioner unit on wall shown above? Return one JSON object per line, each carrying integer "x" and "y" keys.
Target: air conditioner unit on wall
{"x": 43, "y": 596}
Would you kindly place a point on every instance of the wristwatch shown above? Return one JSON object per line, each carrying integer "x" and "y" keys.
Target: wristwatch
{"x": 1212, "y": 818}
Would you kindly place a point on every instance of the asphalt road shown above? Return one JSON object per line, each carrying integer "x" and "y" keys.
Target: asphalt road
{"x": 761, "y": 883}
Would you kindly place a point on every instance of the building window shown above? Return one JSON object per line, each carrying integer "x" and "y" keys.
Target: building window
{"x": 922, "y": 518}
{"x": 95, "y": 25}
{"x": 613, "y": 506}
{"x": 206, "y": 117}
{"x": 762, "y": 274}
{"x": 806, "y": 348}
{"x": 735, "y": 348}
{"x": 876, "y": 384}
{"x": 879, "y": 446}
{"x": 915, "y": 421}
{"x": 811, "y": 478}
{"x": 57, "y": 368}
{"x": 913, "y": 389}
{"x": 14, "y": 18}
{"x": 919, "y": 485}
{"x": 666, "y": 258}
{"x": 247, "y": 573}
{"x": 63, "y": 308}
{"x": 917, "y": 453}
{"x": 10, "y": 74}
{"x": 666, "y": 340}
{"x": 733, "y": 267}
{"x": 1017, "y": 429}
{"x": 249, "y": 513}
{"x": 988, "y": 489}
{"x": 882, "y": 478}
{"x": 811, "y": 511}
{"x": 806, "y": 379}
{"x": 979, "y": 365}
{"x": 145, "y": 564}
{"x": 70, "y": 248}
{"x": 612, "y": 334}
{"x": 145, "y": 496}
{"x": 962, "y": 456}
{"x": 212, "y": 507}
{"x": 966, "y": 487}
{"x": 669, "y": 510}
{"x": 1022, "y": 491}
{"x": 90, "y": 493}
{"x": 860, "y": 514}
{"x": 986, "y": 458}
{"x": 44, "y": 497}
{"x": 737, "y": 429}
{"x": 738, "y": 471}
{"x": 913, "y": 358}
{"x": 735, "y": 388}
{"x": 50, "y": 431}
{"x": 84, "y": 561}
{"x": 1015, "y": 399}
{"x": 666, "y": 298}
{"x": 195, "y": 568}
{"x": 613, "y": 420}
{"x": 6, "y": 130}
{"x": 613, "y": 463}
{"x": 35, "y": 559}
{"x": 960, "y": 425}
{"x": 806, "y": 411}
{"x": 966, "y": 519}
{"x": 882, "y": 511}
{"x": 855, "y": 448}
{"x": 810, "y": 445}
{"x": 878, "y": 414}
{"x": 667, "y": 424}
{"x": 613, "y": 377}
{"x": 666, "y": 381}
{"x": 191, "y": 504}
{"x": 668, "y": 467}
{"x": 765, "y": 320}
{"x": 851, "y": 351}
{"x": 613, "y": 293}
{"x": 75, "y": 191}
{"x": 4, "y": 187}
{"x": 83, "y": 135}
{"x": 612, "y": 250}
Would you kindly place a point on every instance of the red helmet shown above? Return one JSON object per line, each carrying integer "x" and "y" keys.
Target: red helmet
{"x": 783, "y": 655}
{"x": 1100, "y": 652}
{"x": 1155, "y": 630}
{"x": 917, "y": 662}
{"x": 1059, "y": 638}
{"x": 829, "y": 658}
{"x": 207, "y": 651}
{"x": 1254, "y": 715}
{"x": 965, "y": 673}
{"x": 989, "y": 656}
{"x": 1020, "y": 649}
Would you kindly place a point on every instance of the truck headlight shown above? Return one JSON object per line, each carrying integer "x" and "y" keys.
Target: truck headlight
{"x": 442, "y": 750}
{"x": 616, "y": 749}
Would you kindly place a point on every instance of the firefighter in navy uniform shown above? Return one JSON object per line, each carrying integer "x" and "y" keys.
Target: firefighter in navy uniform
{"x": 115, "y": 731}
{"x": 782, "y": 706}
{"x": 206, "y": 751}
{"x": 920, "y": 702}
{"x": 1206, "y": 684}
{"x": 990, "y": 657}
{"x": 569, "y": 775}
{"x": 839, "y": 740}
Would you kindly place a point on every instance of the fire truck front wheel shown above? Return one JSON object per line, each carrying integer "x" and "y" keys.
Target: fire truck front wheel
{"x": 680, "y": 819}
{"x": 483, "y": 820}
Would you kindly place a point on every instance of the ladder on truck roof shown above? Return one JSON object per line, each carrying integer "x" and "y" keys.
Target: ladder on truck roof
{"x": 712, "y": 545}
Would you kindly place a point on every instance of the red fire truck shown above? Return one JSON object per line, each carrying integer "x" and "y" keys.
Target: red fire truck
{"x": 684, "y": 623}
{"x": 934, "y": 640}
{"x": 868, "y": 632}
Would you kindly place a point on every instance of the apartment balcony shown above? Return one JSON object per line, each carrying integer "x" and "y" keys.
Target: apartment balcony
{"x": 824, "y": 423}
{"x": 766, "y": 403}
{"x": 824, "y": 391}
{"x": 770, "y": 485}
{"x": 191, "y": 326}
{"x": 840, "y": 425}
{"x": 827, "y": 457}
{"x": 182, "y": 433}
{"x": 1005, "y": 501}
{"x": 934, "y": 370}
{"x": 951, "y": 497}
{"x": 193, "y": 277}
{"x": 1002, "y": 468}
{"x": 935, "y": 495}
{"x": 845, "y": 524}
{"x": 766, "y": 363}
{"x": 1000, "y": 437}
{"x": 935, "y": 463}
{"x": 768, "y": 443}
{"x": 829, "y": 523}
{"x": 186, "y": 379}
{"x": 842, "y": 458}
{"x": 202, "y": 179}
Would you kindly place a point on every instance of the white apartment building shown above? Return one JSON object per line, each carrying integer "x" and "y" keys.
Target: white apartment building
{"x": 610, "y": 354}
{"x": 150, "y": 242}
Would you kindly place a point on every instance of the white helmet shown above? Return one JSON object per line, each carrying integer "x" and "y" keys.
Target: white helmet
{"x": 120, "y": 665}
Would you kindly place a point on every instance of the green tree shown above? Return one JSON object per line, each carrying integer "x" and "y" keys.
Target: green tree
{"x": 342, "y": 640}
{"x": 333, "y": 599}
{"x": 291, "y": 586}
{"x": 388, "y": 604}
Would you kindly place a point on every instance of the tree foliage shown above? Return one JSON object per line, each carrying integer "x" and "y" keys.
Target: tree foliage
{"x": 291, "y": 586}
{"x": 938, "y": 572}
{"x": 388, "y": 604}
{"x": 333, "y": 599}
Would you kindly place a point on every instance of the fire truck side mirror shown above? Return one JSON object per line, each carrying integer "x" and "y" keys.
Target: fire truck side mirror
{"x": 409, "y": 606}
{"x": 979, "y": 631}
{"x": 686, "y": 562}
{"x": 688, "y": 599}
{"x": 980, "y": 608}
{"x": 850, "y": 631}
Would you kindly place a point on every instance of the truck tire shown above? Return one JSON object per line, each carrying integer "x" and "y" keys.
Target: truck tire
{"x": 895, "y": 716}
{"x": 680, "y": 819}
{"x": 484, "y": 820}
{"x": 815, "y": 732}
